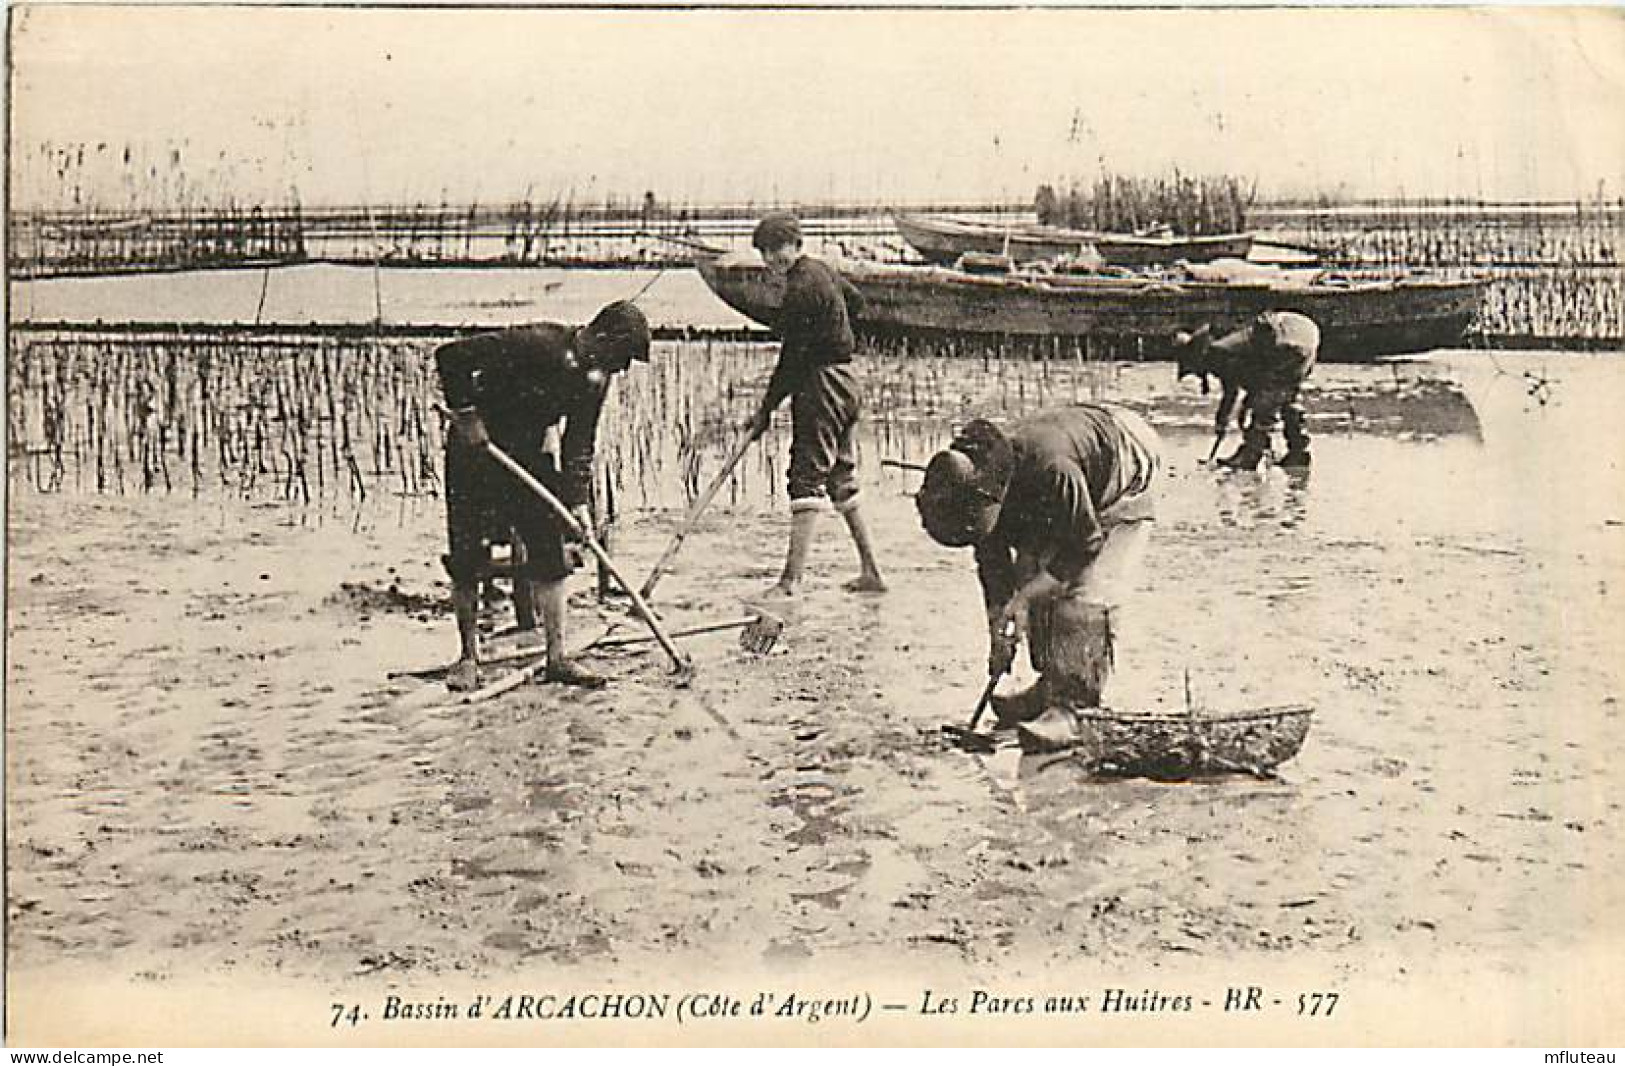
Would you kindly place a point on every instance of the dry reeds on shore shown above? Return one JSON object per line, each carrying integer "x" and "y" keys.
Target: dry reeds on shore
{"x": 1180, "y": 203}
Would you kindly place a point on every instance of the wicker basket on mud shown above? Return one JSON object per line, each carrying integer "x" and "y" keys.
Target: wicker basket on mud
{"x": 1176, "y": 746}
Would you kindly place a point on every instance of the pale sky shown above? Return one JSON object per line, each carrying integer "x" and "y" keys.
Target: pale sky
{"x": 401, "y": 105}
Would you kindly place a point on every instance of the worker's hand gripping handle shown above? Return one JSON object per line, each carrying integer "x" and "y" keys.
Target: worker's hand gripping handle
{"x": 1002, "y": 655}
{"x": 470, "y": 427}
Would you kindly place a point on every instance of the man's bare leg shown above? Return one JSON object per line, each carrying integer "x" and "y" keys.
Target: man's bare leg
{"x": 465, "y": 604}
{"x": 549, "y": 597}
{"x": 868, "y": 579}
{"x": 803, "y": 524}
{"x": 524, "y": 601}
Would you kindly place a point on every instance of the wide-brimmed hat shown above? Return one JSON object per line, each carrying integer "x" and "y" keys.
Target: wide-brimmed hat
{"x": 963, "y": 489}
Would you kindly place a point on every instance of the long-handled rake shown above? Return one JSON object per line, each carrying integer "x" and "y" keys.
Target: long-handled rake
{"x": 759, "y": 634}
{"x": 680, "y": 663}
{"x": 692, "y": 519}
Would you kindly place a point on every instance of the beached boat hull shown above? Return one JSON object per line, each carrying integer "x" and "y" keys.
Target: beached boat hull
{"x": 1119, "y": 317}
{"x": 943, "y": 241}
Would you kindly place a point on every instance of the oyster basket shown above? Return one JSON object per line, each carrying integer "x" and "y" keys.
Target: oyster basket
{"x": 1173, "y": 746}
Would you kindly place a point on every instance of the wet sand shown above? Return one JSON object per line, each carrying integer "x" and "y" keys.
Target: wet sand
{"x": 209, "y": 773}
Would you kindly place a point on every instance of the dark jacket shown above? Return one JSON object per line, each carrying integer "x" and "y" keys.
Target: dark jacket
{"x": 815, "y": 323}
{"x": 1070, "y": 464}
{"x": 523, "y": 381}
{"x": 1272, "y": 354}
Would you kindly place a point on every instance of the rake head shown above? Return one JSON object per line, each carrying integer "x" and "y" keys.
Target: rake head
{"x": 761, "y": 634}
{"x": 967, "y": 739}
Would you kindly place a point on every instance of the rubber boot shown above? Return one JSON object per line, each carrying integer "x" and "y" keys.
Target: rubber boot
{"x": 1057, "y": 729}
{"x": 1017, "y": 707}
{"x": 1249, "y": 455}
{"x": 1082, "y": 656}
{"x": 1297, "y": 439}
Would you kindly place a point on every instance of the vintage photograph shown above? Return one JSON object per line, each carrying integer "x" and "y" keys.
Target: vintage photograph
{"x": 898, "y": 526}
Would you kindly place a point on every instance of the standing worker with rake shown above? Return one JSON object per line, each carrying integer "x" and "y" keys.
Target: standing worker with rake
{"x": 814, "y": 371}
{"x": 1059, "y": 511}
{"x": 509, "y": 388}
{"x": 1264, "y": 364}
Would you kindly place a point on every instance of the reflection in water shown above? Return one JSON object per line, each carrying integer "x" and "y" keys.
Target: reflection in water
{"x": 1295, "y": 506}
{"x": 1265, "y": 497}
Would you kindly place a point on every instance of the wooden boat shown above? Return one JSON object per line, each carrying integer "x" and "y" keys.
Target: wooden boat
{"x": 1125, "y": 317}
{"x": 943, "y": 240}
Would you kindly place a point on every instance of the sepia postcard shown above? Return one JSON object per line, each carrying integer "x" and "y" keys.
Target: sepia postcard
{"x": 736, "y": 525}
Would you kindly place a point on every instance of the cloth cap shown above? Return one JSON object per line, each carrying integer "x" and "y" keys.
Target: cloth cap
{"x": 622, "y": 327}
{"x": 776, "y": 231}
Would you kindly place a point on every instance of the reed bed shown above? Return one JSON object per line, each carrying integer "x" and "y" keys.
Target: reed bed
{"x": 294, "y": 418}
{"x": 1183, "y": 204}
{"x": 1583, "y": 306}
{"x": 917, "y": 390}
{"x": 343, "y": 417}
{"x": 560, "y": 233}
{"x": 101, "y": 207}
{"x": 86, "y": 208}
{"x": 1581, "y": 234}
{"x": 98, "y": 207}
{"x": 567, "y": 234}
{"x": 1557, "y": 273}
{"x": 57, "y": 244}
{"x": 332, "y": 422}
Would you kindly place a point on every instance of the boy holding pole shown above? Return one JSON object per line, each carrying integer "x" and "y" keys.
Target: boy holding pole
{"x": 814, "y": 370}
